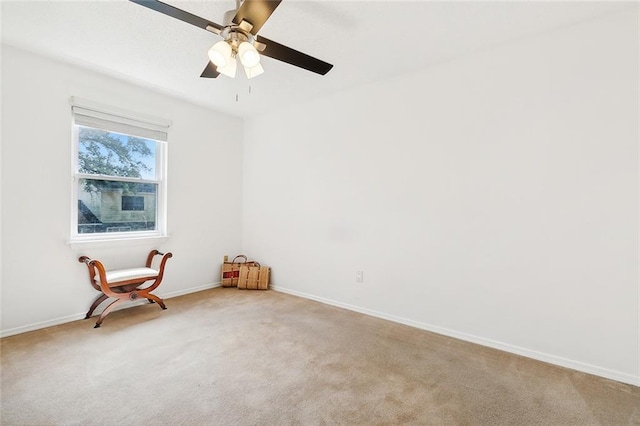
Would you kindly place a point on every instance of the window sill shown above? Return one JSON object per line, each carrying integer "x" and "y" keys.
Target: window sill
{"x": 78, "y": 244}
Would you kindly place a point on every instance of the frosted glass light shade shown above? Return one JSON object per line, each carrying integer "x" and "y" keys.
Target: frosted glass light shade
{"x": 220, "y": 54}
{"x": 229, "y": 69}
{"x": 248, "y": 54}
{"x": 253, "y": 71}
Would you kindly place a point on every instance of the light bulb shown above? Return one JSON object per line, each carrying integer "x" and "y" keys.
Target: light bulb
{"x": 229, "y": 69}
{"x": 248, "y": 54}
{"x": 220, "y": 53}
{"x": 253, "y": 71}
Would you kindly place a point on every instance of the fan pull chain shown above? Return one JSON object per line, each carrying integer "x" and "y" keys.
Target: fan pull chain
{"x": 238, "y": 95}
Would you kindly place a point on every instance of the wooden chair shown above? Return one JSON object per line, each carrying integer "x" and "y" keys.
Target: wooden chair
{"x": 124, "y": 284}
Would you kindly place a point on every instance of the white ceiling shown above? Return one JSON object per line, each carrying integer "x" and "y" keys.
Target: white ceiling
{"x": 365, "y": 40}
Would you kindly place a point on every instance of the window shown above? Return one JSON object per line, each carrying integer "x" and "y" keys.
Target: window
{"x": 132, "y": 202}
{"x": 119, "y": 173}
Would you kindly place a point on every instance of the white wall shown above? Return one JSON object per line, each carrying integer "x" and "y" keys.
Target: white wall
{"x": 42, "y": 281}
{"x": 494, "y": 198}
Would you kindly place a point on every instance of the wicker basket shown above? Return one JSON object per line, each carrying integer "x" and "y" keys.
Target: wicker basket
{"x": 230, "y": 271}
{"x": 253, "y": 277}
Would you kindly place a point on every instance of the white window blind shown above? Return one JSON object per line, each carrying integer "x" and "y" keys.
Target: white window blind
{"x": 86, "y": 113}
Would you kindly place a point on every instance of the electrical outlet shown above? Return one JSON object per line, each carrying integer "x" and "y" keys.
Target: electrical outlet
{"x": 359, "y": 276}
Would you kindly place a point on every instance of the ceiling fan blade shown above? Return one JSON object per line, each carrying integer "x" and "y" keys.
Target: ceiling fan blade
{"x": 291, "y": 56}
{"x": 210, "y": 71}
{"x": 180, "y": 14}
{"x": 255, "y": 12}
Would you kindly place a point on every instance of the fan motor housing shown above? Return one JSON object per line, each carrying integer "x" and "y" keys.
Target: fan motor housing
{"x": 236, "y": 34}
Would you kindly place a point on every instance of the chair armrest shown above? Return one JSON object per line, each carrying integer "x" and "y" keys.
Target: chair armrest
{"x": 153, "y": 253}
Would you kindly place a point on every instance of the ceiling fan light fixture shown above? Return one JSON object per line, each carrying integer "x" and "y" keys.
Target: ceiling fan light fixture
{"x": 229, "y": 69}
{"x": 248, "y": 55}
{"x": 220, "y": 54}
{"x": 253, "y": 71}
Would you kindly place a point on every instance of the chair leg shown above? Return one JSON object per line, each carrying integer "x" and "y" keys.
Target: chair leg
{"x": 160, "y": 302}
{"x": 107, "y": 310}
{"x": 95, "y": 304}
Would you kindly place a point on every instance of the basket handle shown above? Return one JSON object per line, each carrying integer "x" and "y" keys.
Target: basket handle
{"x": 240, "y": 255}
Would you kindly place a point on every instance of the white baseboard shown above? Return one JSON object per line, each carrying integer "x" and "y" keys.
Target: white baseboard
{"x": 41, "y": 324}
{"x": 540, "y": 356}
{"x": 190, "y": 290}
{"x": 79, "y": 316}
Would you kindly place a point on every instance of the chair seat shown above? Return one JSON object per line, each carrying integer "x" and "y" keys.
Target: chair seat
{"x": 128, "y": 274}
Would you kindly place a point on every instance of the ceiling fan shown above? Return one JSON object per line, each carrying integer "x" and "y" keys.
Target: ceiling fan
{"x": 240, "y": 39}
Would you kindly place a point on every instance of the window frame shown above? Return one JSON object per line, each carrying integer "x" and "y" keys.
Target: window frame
{"x": 160, "y": 181}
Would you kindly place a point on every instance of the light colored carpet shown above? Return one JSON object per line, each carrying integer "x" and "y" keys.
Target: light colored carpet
{"x": 231, "y": 357}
